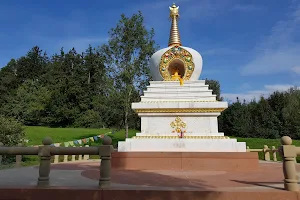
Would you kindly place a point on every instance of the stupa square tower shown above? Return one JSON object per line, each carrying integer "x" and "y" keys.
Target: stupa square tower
{"x": 178, "y": 112}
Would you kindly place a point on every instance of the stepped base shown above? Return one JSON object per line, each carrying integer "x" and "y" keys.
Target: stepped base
{"x": 193, "y": 161}
{"x": 173, "y": 144}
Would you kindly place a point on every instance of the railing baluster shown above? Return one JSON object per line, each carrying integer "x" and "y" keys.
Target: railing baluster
{"x": 45, "y": 162}
{"x": 80, "y": 156}
{"x": 86, "y": 156}
{"x": 65, "y": 158}
{"x": 274, "y": 150}
{"x": 56, "y": 159}
{"x": 1, "y": 144}
{"x": 266, "y": 153}
{"x": 18, "y": 159}
{"x": 73, "y": 158}
{"x": 288, "y": 153}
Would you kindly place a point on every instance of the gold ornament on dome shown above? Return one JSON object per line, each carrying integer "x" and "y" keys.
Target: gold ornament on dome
{"x": 178, "y": 125}
{"x": 176, "y": 53}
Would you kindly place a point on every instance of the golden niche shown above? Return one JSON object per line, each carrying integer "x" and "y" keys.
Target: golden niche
{"x": 176, "y": 64}
{"x": 178, "y": 125}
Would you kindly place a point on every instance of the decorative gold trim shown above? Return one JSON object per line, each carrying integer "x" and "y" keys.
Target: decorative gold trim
{"x": 178, "y": 124}
{"x": 181, "y": 54}
{"x": 180, "y": 110}
{"x": 185, "y": 137}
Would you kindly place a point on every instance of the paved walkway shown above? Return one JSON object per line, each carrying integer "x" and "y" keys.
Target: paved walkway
{"x": 268, "y": 177}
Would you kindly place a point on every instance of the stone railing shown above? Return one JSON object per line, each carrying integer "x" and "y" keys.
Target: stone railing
{"x": 57, "y": 158}
{"x": 288, "y": 153}
{"x": 266, "y": 151}
{"x": 46, "y": 151}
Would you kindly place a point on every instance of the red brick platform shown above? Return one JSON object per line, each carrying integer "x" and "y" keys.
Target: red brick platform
{"x": 263, "y": 183}
{"x": 265, "y": 176}
{"x": 121, "y": 194}
{"x": 196, "y": 161}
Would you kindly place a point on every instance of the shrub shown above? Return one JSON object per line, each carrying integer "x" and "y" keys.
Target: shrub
{"x": 11, "y": 133}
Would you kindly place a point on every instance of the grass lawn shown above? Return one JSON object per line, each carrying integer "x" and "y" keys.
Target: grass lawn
{"x": 60, "y": 135}
{"x": 35, "y": 134}
{"x": 258, "y": 143}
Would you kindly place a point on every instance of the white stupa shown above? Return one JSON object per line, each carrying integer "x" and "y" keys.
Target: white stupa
{"x": 178, "y": 112}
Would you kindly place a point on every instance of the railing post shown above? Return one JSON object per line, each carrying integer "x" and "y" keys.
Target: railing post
{"x": 274, "y": 153}
{"x": 56, "y": 159}
{"x": 266, "y": 153}
{"x": 105, "y": 166}
{"x": 288, "y": 153}
{"x": 65, "y": 158}
{"x": 80, "y": 156}
{"x": 248, "y": 149}
{"x": 45, "y": 162}
{"x": 73, "y": 158}
{"x": 18, "y": 158}
{"x": 1, "y": 144}
{"x": 86, "y": 157}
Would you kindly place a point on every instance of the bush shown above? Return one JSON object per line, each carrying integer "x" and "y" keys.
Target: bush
{"x": 89, "y": 119}
{"x": 11, "y": 133}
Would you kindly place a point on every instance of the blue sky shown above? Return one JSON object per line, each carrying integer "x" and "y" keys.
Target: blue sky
{"x": 251, "y": 47}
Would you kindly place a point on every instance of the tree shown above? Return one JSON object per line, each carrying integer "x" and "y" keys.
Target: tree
{"x": 215, "y": 87}
{"x": 8, "y": 81}
{"x": 127, "y": 54}
{"x": 32, "y": 66}
{"x": 29, "y": 103}
{"x": 291, "y": 114}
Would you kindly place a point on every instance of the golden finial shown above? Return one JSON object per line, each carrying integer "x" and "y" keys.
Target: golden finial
{"x": 174, "y": 32}
{"x": 174, "y": 11}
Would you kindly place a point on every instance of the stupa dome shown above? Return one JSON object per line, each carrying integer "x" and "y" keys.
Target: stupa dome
{"x": 186, "y": 61}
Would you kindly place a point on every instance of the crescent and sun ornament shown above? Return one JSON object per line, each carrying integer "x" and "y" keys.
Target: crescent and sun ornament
{"x": 174, "y": 10}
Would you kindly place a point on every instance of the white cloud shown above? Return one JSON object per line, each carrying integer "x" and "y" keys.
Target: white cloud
{"x": 256, "y": 94}
{"x": 278, "y": 52}
{"x": 296, "y": 69}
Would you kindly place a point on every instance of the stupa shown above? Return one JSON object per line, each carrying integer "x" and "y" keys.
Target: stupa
{"x": 179, "y": 125}
{"x": 178, "y": 111}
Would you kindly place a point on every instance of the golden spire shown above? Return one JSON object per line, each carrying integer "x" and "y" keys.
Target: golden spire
{"x": 174, "y": 32}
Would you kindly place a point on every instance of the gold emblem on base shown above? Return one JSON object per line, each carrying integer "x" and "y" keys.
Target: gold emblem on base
{"x": 178, "y": 125}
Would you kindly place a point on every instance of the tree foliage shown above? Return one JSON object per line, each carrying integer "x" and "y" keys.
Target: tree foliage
{"x": 11, "y": 131}
{"x": 94, "y": 88}
{"x": 127, "y": 54}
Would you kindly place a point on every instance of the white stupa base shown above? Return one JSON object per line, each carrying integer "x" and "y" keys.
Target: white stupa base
{"x": 181, "y": 145}
{"x": 177, "y": 134}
